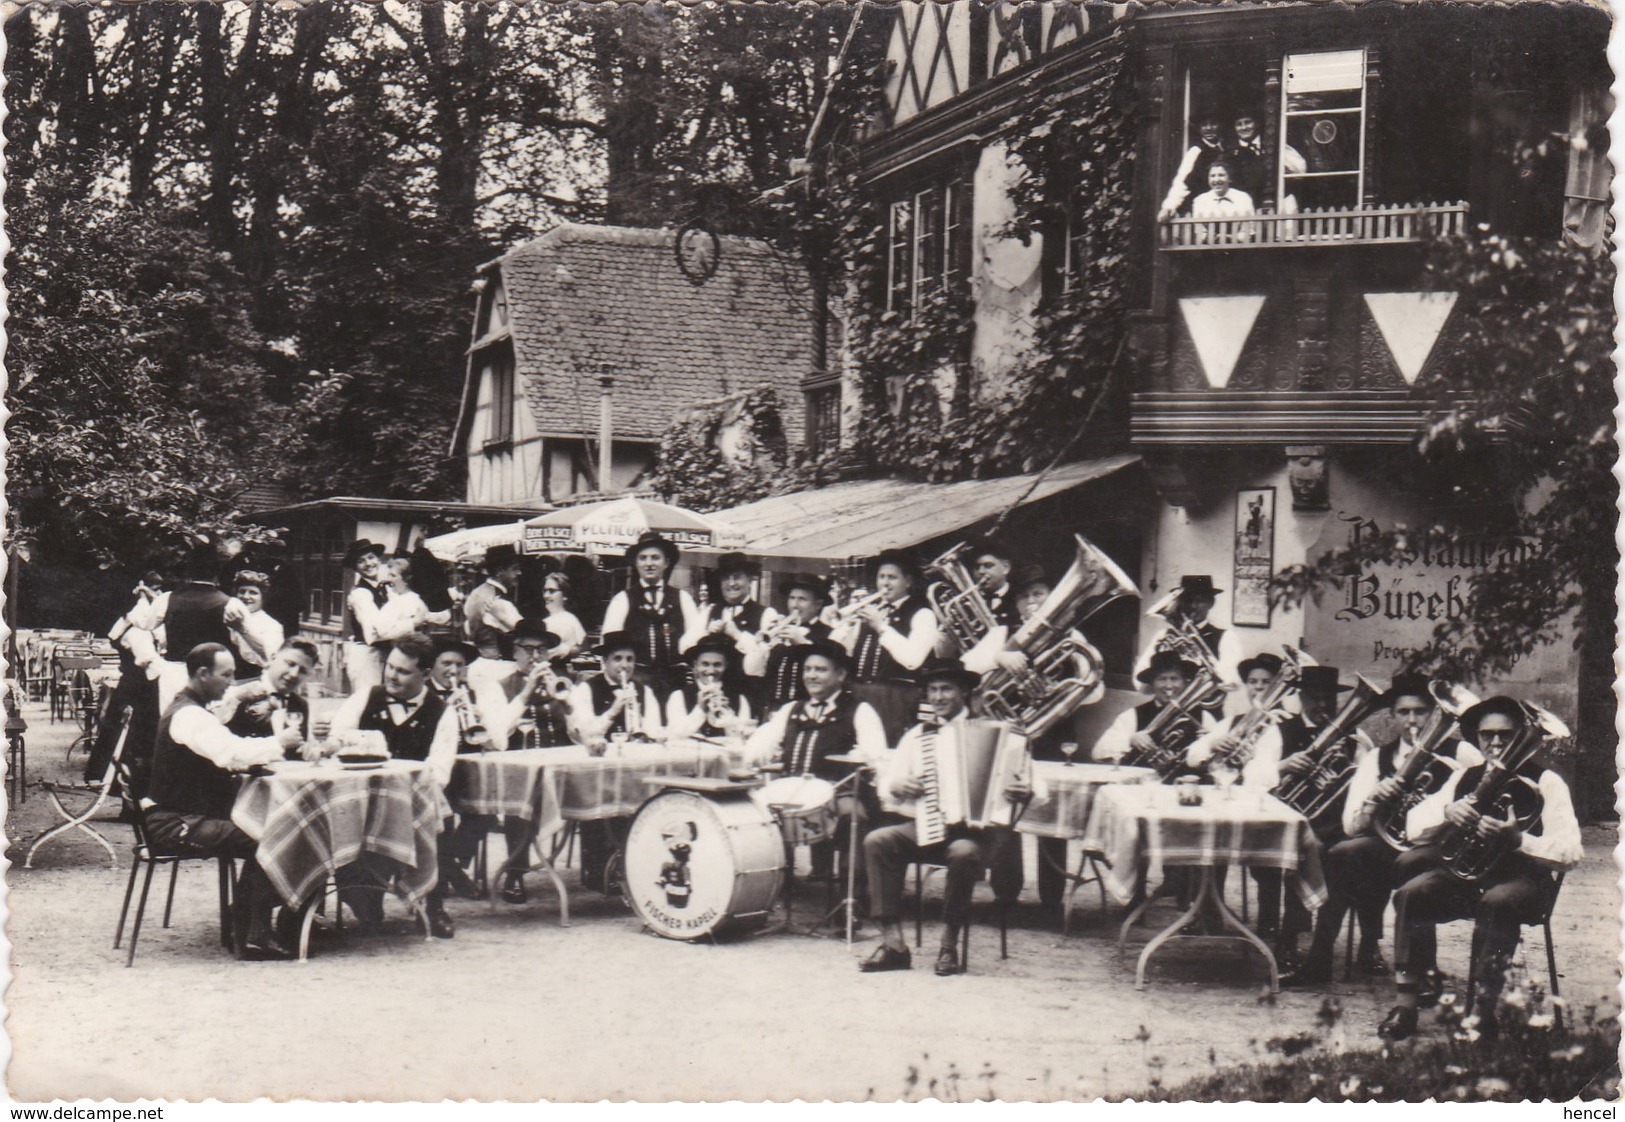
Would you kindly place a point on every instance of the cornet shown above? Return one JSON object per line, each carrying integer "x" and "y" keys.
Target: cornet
{"x": 780, "y": 631}
{"x": 860, "y": 602}
{"x": 626, "y": 695}
{"x": 469, "y": 725}
{"x": 558, "y": 688}
{"x": 715, "y": 700}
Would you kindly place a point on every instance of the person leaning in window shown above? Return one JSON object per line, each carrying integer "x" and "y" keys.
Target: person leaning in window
{"x": 489, "y": 614}
{"x": 1193, "y": 166}
{"x": 1226, "y": 206}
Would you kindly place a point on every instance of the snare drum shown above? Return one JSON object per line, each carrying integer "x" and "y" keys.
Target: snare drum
{"x": 805, "y": 807}
{"x": 700, "y": 864}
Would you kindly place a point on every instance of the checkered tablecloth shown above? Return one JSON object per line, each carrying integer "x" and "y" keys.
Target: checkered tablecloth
{"x": 312, "y": 819}
{"x": 548, "y": 786}
{"x": 1064, "y": 795}
{"x": 1144, "y": 827}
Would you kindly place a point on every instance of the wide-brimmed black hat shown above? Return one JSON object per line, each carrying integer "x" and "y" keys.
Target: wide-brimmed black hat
{"x": 1201, "y": 585}
{"x": 499, "y": 557}
{"x": 737, "y": 563}
{"x": 444, "y": 643}
{"x": 826, "y": 648}
{"x": 1028, "y": 576}
{"x": 719, "y": 643}
{"x": 1261, "y": 661}
{"x": 1407, "y": 685}
{"x": 951, "y": 669}
{"x": 1313, "y": 679}
{"x": 983, "y": 547}
{"x": 534, "y": 630}
{"x": 1163, "y": 661}
{"x": 615, "y": 641}
{"x": 814, "y": 584}
{"x": 669, "y": 548}
{"x": 899, "y": 558}
{"x": 359, "y": 548}
{"x": 1502, "y": 704}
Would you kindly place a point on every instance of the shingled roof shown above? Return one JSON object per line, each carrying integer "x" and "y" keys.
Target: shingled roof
{"x": 580, "y": 297}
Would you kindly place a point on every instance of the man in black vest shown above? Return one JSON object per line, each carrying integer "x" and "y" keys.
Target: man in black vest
{"x": 1165, "y": 678}
{"x": 193, "y": 613}
{"x": 265, "y": 705}
{"x": 737, "y": 617}
{"x": 890, "y": 641}
{"x": 416, "y": 725}
{"x": 193, "y": 790}
{"x": 1360, "y": 868}
{"x": 778, "y": 651}
{"x": 1541, "y": 836}
{"x": 992, "y": 563}
{"x": 656, "y": 615}
{"x": 490, "y": 614}
{"x": 363, "y": 663}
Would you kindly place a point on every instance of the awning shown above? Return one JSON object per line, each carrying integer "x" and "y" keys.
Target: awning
{"x": 862, "y": 518}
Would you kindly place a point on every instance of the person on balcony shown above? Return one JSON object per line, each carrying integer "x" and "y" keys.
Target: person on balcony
{"x": 1193, "y": 166}
{"x": 1225, "y": 204}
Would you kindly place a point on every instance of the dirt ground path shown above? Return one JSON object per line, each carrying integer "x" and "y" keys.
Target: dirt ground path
{"x": 517, "y": 1008}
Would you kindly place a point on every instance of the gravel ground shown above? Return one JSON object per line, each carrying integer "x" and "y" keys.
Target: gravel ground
{"x": 517, "y": 1008}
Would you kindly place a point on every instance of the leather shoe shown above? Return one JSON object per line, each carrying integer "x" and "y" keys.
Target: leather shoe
{"x": 264, "y": 945}
{"x": 1427, "y": 994}
{"x": 886, "y": 958}
{"x": 460, "y": 883}
{"x": 1399, "y": 1024}
{"x": 513, "y": 889}
{"x": 1314, "y": 972}
{"x": 440, "y": 925}
{"x": 948, "y": 963}
{"x": 1370, "y": 963}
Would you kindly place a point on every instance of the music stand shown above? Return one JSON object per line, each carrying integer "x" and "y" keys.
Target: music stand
{"x": 857, "y": 764}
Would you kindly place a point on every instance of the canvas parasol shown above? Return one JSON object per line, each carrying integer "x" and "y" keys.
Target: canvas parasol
{"x": 617, "y": 523}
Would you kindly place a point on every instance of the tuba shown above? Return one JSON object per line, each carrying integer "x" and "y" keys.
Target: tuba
{"x": 1425, "y": 771}
{"x": 1502, "y": 793}
{"x": 1174, "y": 728}
{"x": 1063, "y": 667}
{"x": 1264, "y": 712}
{"x": 1185, "y": 638}
{"x": 1312, "y": 793}
{"x": 958, "y": 601}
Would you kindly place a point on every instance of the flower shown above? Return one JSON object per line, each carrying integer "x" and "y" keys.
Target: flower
{"x": 1541, "y": 1020}
{"x": 1350, "y": 1085}
{"x": 1454, "y": 1069}
{"x": 1446, "y": 1000}
{"x": 1516, "y": 998}
{"x": 1493, "y": 1085}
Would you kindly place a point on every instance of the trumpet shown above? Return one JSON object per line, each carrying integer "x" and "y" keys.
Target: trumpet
{"x": 557, "y": 686}
{"x": 469, "y": 726}
{"x": 715, "y": 701}
{"x": 780, "y": 631}
{"x": 860, "y": 602}
{"x": 626, "y": 696}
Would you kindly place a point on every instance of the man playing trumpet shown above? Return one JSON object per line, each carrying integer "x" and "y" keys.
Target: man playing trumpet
{"x": 715, "y": 703}
{"x": 777, "y": 650}
{"x": 737, "y": 618}
{"x": 889, "y": 639}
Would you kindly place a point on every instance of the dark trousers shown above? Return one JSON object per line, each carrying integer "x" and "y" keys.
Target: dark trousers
{"x": 361, "y": 884}
{"x": 1517, "y": 892}
{"x": 463, "y": 843}
{"x": 600, "y": 838}
{"x": 1359, "y": 875}
{"x": 889, "y": 850}
{"x": 188, "y": 835}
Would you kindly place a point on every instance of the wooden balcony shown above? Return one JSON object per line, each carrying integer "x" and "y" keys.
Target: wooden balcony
{"x": 1396, "y": 224}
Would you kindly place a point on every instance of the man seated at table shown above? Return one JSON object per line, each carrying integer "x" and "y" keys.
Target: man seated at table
{"x": 609, "y": 704}
{"x": 527, "y": 709}
{"x": 416, "y": 725}
{"x": 926, "y": 780}
{"x": 1165, "y": 676}
{"x": 831, "y": 721}
{"x": 193, "y": 791}
{"x": 716, "y": 702}
{"x": 265, "y": 705}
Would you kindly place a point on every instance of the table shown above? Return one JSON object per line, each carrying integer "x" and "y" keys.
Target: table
{"x": 312, "y": 819}
{"x": 1140, "y": 830}
{"x": 1062, "y": 812}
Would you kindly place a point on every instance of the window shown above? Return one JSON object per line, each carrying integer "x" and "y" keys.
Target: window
{"x": 1323, "y": 129}
{"x": 823, "y": 417}
{"x": 499, "y": 377}
{"x": 929, "y": 244}
{"x": 319, "y": 562}
{"x": 1076, "y": 248}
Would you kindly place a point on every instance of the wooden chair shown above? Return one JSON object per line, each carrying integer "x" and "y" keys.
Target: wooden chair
{"x": 1545, "y": 924}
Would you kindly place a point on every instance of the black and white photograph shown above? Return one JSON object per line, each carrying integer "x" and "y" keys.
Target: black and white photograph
{"x": 708, "y": 552}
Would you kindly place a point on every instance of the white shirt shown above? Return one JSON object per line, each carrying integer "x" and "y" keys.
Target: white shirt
{"x": 364, "y": 610}
{"x": 570, "y": 632}
{"x": 1262, "y": 769}
{"x": 1114, "y": 742}
{"x": 767, "y": 741}
{"x": 198, "y": 730}
{"x": 589, "y": 724}
{"x": 693, "y": 625}
{"x": 260, "y": 639}
{"x": 910, "y": 651}
{"x": 402, "y": 614}
{"x": 442, "y": 751}
{"x": 1356, "y": 816}
{"x": 1558, "y": 843}
{"x": 1233, "y": 204}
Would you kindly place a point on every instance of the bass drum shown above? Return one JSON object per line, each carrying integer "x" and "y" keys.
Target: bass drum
{"x": 699, "y": 866}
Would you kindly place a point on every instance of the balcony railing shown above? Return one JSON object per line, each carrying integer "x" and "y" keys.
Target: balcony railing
{"x": 1395, "y": 224}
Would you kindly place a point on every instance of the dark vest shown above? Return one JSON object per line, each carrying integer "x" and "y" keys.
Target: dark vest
{"x": 352, "y": 626}
{"x": 748, "y": 616}
{"x": 783, "y": 674}
{"x": 246, "y": 723}
{"x": 552, "y": 729}
{"x": 807, "y": 743}
{"x": 657, "y": 633}
{"x": 1295, "y": 735}
{"x": 1248, "y": 172}
{"x": 873, "y": 663}
{"x": 691, "y": 698}
{"x": 1005, "y": 611}
{"x": 184, "y": 781}
{"x": 1196, "y": 181}
{"x": 196, "y": 614}
{"x": 603, "y": 696}
{"x": 1527, "y": 802}
{"x": 491, "y": 641}
{"x": 409, "y": 741}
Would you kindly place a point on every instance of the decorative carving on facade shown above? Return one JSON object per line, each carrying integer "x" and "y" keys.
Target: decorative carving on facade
{"x": 1307, "y": 476}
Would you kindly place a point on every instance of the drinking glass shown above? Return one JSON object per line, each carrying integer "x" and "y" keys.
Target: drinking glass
{"x": 1069, "y": 749}
{"x": 1224, "y": 777}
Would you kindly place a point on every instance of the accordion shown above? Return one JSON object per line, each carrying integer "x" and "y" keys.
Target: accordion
{"x": 994, "y": 755}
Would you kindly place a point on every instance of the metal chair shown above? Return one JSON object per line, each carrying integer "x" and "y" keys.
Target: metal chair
{"x": 79, "y": 821}
{"x": 16, "y": 746}
{"x": 146, "y": 854}
{"x": 923, "y": 872}
{"x": 1545, "y": 924}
